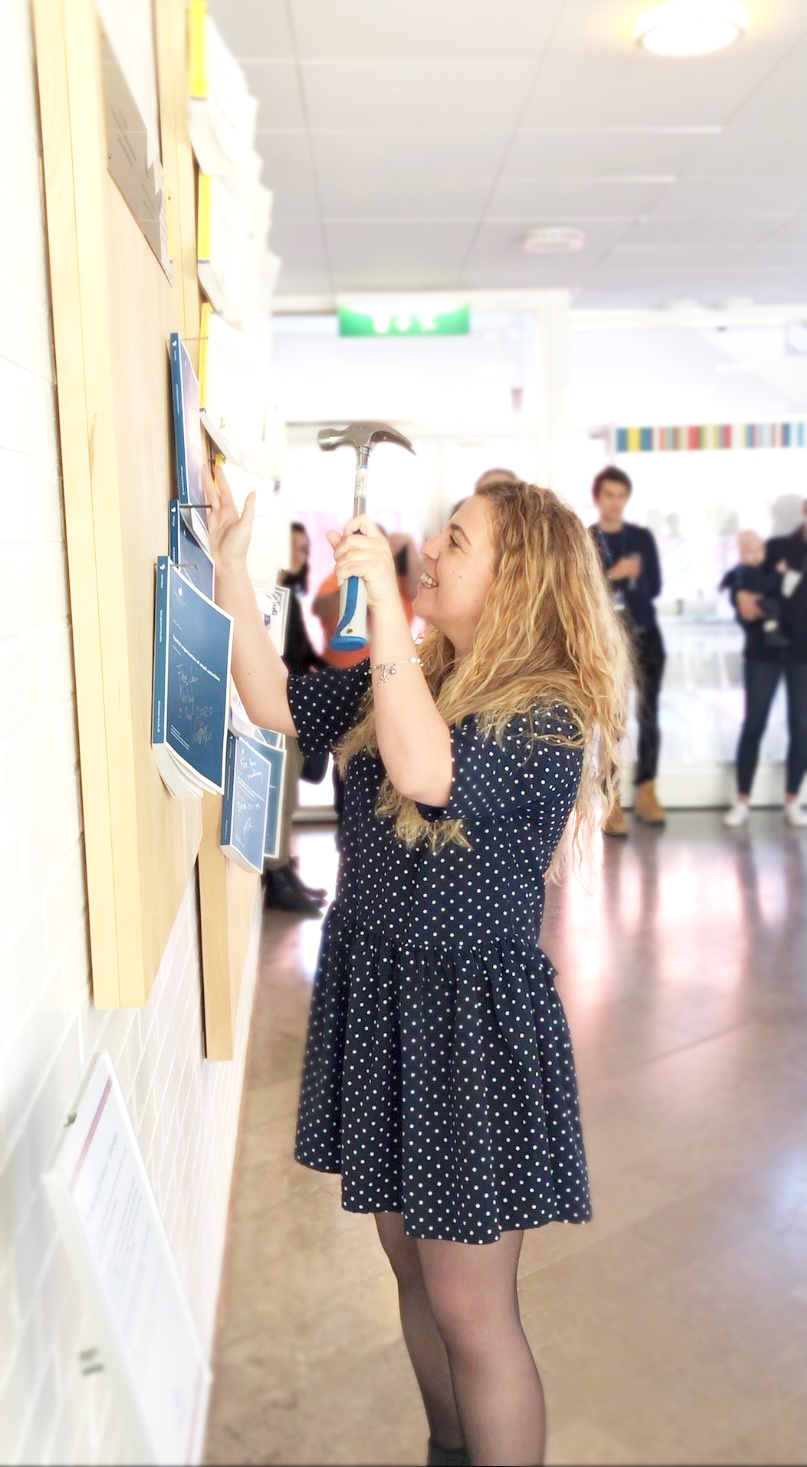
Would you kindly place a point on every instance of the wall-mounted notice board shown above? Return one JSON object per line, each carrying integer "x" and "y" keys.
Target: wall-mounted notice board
{"x": 114, "y": 307}
{"x": 146, "y": 1335}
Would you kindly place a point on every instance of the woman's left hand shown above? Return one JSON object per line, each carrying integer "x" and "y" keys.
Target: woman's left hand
{"x": 367, "y": 554}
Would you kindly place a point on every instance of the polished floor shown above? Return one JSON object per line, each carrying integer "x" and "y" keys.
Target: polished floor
{"x": 673, "y": 1328}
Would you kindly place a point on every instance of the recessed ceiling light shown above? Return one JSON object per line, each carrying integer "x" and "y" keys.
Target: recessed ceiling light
{"x": 553, "y": 239}
{"x": 691, "y": 27}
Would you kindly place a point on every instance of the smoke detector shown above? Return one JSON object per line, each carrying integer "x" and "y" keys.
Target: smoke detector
{"x": 553, "y": 239}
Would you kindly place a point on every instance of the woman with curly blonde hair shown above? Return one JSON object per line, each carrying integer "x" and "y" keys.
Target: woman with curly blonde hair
{"x": 438, "y": 1077}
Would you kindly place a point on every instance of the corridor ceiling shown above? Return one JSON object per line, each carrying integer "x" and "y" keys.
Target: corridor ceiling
{"x": 411, "y": 145}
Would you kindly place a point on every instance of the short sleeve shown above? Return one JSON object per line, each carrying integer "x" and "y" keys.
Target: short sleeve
{"x": 492, "y": 779}
{"x": 324, "y": 705}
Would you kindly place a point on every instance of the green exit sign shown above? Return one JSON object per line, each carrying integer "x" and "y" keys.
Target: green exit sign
{"x": 404, "y": 320}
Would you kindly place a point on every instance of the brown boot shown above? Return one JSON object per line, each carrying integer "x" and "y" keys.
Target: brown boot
{"x": 616, "y": 824}
{"x": 647, "y": 807}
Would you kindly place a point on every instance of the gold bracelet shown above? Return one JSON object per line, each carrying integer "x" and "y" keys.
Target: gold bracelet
{"x": 386, "y": 670}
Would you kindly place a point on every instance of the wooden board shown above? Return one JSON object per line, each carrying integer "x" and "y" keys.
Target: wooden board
{"x": 113, "y": 310}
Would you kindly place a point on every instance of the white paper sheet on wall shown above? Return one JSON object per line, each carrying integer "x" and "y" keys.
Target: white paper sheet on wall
{"x": 112, "y": 1229}
{"x": 129, "y": 26}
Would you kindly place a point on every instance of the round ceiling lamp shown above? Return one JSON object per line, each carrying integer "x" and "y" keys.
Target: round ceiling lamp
{"x": 691, "y": 27}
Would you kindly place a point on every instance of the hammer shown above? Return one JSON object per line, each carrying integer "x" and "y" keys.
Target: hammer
{"x": 351, "y": 627}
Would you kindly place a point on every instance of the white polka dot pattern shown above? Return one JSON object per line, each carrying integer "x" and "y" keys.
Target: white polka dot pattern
{"x": 439, "y": 1078}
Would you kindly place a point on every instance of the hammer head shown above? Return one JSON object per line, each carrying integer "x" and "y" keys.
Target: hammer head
{"x": 362, "y": 436}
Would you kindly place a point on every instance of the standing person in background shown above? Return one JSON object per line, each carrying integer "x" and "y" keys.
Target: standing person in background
{"x": 486, "y": 481}
{"x": 283, "y": 888}
{"x": 631, "y": 563}
{"x": 495, "y": 476}
{"x": 326, "y": 607}
{"x": 766, "y": 662}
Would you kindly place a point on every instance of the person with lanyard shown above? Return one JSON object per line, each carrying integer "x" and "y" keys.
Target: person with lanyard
{"x": 438, "y": 1076}
{"x": 766, "y": 663}
{"x": 631, "y": 562}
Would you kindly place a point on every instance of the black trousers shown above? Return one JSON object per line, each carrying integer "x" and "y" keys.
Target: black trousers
{"x": 650, "y": 660}
{"x": 761, "y": 681}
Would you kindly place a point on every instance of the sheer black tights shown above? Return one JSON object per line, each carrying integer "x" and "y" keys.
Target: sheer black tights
{"x": 472, "y": 1362}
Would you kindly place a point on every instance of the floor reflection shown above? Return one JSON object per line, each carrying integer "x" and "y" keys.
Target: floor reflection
{"x": 673, "y": 1328}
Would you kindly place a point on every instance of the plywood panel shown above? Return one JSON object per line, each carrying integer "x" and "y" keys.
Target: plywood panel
{"x": 113, "y": 309}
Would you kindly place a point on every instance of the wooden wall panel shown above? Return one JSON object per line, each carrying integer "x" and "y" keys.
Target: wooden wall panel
{"x": 113, "y": 309}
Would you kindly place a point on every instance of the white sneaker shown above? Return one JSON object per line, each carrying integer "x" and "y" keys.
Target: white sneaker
{"x": 795, "y": 816}
{"x": 737, "y": 816}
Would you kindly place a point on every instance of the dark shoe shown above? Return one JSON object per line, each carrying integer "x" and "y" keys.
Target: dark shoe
{"x": 314, "y": 893}
{"x": 281, "y": 894}
{"x": 438, "y": 1456}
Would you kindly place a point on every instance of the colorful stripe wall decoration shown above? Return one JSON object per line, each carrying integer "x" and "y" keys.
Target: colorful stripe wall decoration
{"x": 711, "y": 435}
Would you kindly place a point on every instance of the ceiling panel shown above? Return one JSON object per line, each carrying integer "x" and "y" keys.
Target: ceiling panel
{"x": 397, "y": 256}
{"x": 739, "y": 229}
{"x": 793, "y": 229}
{"x": 741, "y": 150}
{"x": 276, "y": 85}
{"x": 486, "y": 30}
{"x": 750, "y": 194}
{"x": 774, "y": 255}
{"x": 673, "y": 258}
{"x": 411, "y": 152}
{"x": 289, "y": 172}
{"x": 780, "y": 99}
{"x": 296, "y": 199}
{"x": 255, "y": 30}
{"x": 425, "y": 138}
{"x": 305, "y": 267}
{"x": 653, "y": 292}
{"x": 431, "y": 197}
{"x": 544, "y": 152}
{"x": 497, "y": 255}
{"x": 710, "y": 289}
{"x": 286, "y": 154}
{"x": 596, "y": 74}
{"x": 399, "y": 94}
{"x": 571, "y": 200}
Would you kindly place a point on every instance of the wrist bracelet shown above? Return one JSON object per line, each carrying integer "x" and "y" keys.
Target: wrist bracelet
{"x": 386, "y": 670}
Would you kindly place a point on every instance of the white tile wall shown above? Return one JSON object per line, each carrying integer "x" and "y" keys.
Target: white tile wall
{"x": 184, "y": 1109}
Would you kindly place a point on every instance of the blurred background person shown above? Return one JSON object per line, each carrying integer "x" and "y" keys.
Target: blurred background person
{"x": 496, "y": 476}
{"x": 485, "y": 480}
{"x": 631, "y": 563}
{"x": 326, "y": 607}
{"x": 769, "y": 657}
{"x": 283, "y": 886}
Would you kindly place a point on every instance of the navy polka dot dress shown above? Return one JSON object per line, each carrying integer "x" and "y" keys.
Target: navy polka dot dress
{"x": 438, "y": 1075}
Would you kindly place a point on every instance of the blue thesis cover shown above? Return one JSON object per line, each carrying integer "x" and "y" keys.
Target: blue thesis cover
{"x": 188, "y": 451}
{"x": 193, "y": 651}
{"x": 275, "y": 756}
{"x": 245, "y": 805}
{"x": 186, "y": 552}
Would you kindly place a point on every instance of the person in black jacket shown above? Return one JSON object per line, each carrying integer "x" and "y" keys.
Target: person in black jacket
{"x": 631, "y": 563}
{"x": 766, "y": 665}
{"x": 283, "y": 887}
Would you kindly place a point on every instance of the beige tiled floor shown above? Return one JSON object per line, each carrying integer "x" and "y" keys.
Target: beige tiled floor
{"x": 672, "y": 1329}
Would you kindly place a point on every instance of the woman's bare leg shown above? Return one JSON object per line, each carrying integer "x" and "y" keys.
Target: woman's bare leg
{"x": 423, "y": 1339}
{"x": 472, "y": 1293}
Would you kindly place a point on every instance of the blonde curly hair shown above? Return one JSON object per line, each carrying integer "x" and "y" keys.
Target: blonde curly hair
{"x": 548, "y": 636}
